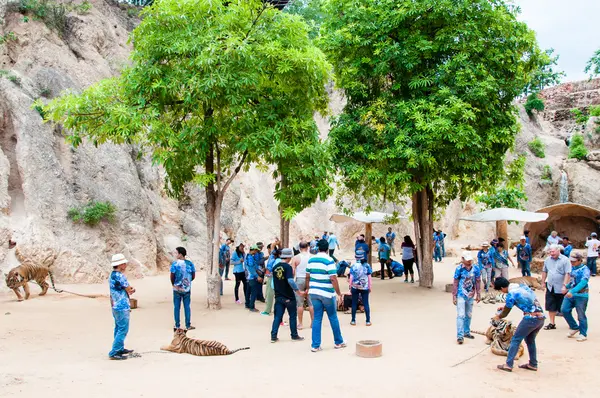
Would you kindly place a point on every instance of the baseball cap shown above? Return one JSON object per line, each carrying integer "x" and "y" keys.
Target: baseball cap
{"x": 576, "y": 256}
{"x": 253, "y": 247}
{"x": 523, "y": 238}
{"x": 286, "y": 253}
{"x": 594, "y": 234}
{"x": 467, "y": 256}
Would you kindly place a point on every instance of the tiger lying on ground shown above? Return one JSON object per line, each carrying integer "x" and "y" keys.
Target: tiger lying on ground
{"x": 531, "y": 281}
{"x": 182, "y": 344}
{"x": 23, "y": 274}
{"x": 499, "y": 335}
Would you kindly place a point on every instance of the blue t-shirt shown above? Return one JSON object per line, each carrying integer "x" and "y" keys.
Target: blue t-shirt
{"x": 361, "y": 245}
{"x": 333, "y": 242}
{"x": 524, "y": 252}
{"x": 466, "y": 280}
{"x": 484, "y": 259}
{"x": 568, "y": 250}
{"x": 360, "y": 275}
{"x": 384, "y": 251}
{"x": 251, "y": 266}
{"x": 390, "y": 237}
{"x": 524, "y": 299}
{"x": 183, "y": 270}
{"x": 238, "y": 262}
{"x": 580, "y": 276}
{"x": 224, "y": 254}
{"x": 118, "y": 295}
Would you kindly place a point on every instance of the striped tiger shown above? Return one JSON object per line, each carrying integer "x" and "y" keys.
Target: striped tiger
{"x": 182, "y": 344}
{"x": 23, "y": 274}
{"x": 499, "y": 336}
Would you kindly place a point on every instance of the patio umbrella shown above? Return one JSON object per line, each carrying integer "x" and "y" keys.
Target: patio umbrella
{"x": 502, "y": 215}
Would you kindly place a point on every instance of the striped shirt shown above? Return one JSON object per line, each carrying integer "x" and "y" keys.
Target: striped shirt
{"x": 321, "y": 267}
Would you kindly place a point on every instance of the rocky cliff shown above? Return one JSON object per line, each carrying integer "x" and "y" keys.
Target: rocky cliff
{"x": 41, "y": 177}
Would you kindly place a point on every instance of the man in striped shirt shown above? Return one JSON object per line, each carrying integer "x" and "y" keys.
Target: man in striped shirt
{"x": 322, "y": 285}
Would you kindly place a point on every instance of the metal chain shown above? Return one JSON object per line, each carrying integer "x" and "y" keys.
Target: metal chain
{"x": 471, "y": 357}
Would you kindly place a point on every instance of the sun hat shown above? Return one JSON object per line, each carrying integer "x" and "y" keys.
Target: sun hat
{"x": 118, "y": 259}
{"x": 523, "y": 238}
{"x": 467, "y": 256}
{"x": 485, "y": 244}
{"x": 286, "y": 253}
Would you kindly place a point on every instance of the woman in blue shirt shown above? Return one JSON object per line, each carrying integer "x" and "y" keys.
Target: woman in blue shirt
{"x": 384, "y": 258}
{"x": 237, "y": 259}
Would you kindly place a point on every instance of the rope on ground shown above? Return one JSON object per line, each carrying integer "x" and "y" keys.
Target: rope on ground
{"x": 93, "y": 296}
{"x": 139, "y": 354}
{"x": 471, "y": 357}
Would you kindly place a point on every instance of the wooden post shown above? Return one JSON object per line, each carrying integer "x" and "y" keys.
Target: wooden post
{"x": 369, "y": 233}
{"x": 502, "y": 231}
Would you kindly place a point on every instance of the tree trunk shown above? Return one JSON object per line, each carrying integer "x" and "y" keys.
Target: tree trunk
{"x": 502, "y": 232}
{"x": 284, "y": 230}
{"x": 422, "y": 203}
{"x": 368, "y": 234}
{"x": 213, "y": 226}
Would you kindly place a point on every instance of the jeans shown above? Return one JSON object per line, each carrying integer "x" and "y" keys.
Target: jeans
{"x": 323, "y": 304}
{"x": 178, "y": 297}
{"x": 341, "y": 270}
{"x": 464, "y": 310}
{"x": 384, "y": 264}
{"x": 580, "y": 305}
{"x": 240, "y": 277}
{"x": 254, "y": 288}
{"x": 282, "y": 304}
{"x": 500, "y": 272}
{"x": 525, "y": 268}
{"x": 121, "y": 330}
{"x": 331, "y": 251}
{"x": 227, "y": 269}
{"x": 221, "y": 281}
{"x": 364, "y": 295}
{"x": 528, "y": 329}
{"x": 486, "y": 276}
{"x": 437, "y": 254}
{"x": 270, "y": 295}
{"x": 443, "y": 249}
{"x": 591, "y": 264}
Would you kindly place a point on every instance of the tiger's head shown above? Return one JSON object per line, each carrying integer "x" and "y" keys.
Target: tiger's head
{"x": 178, "y": 337}
{"x": 13, "y": 278}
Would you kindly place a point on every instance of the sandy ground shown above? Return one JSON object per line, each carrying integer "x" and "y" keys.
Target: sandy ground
{"x": 56, "y": 346}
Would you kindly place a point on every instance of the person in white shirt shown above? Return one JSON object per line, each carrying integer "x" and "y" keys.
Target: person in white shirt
{"x": 553, "y": 239}
{"x": 299, "y": 264}
{"x": 592, "y": 244}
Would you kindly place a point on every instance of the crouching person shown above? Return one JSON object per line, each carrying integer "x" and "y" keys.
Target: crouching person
{"x": 524, "y": 299}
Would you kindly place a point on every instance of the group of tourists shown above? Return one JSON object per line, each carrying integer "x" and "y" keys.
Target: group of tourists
{"x": 564, "y": 279}
{"x": 385, "y": 250}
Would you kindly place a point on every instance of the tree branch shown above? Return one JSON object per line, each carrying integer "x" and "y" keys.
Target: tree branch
{"x": 235, "y": 172}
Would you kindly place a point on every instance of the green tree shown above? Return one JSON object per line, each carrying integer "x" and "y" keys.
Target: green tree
{"x": 577, "y": 149}
{"x": 430, "y": 87}
{"x": 545, "y": 74}
{"x": 212, "y": 86}
{"x": 510, "y": 192}
{"x": 311, "y": 11}
{"x": 593, "y": 65}
{"x": 534, "y": 103}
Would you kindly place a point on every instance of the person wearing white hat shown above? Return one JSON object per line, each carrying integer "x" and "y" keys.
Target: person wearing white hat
{"x": 119, "y": 300}
{"x": 524, "y": 254}
{"x": 467, "y": 287}
{"x": 485, "y": 262}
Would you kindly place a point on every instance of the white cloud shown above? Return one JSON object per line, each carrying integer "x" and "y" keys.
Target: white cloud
{"x": 571, "y": 27}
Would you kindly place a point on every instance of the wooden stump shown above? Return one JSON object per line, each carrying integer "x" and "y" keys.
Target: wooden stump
{"x": 133, "y": 303}
{"x": 449, "y": 287}
{"x": 369, "y": 348}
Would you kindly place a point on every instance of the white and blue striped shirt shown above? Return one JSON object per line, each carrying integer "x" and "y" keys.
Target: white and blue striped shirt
{"x": 321, "y": 267}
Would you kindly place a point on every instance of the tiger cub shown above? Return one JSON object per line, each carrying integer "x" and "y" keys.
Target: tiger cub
{"x": 23, "y": 274}
{"x": 182, "y": 344}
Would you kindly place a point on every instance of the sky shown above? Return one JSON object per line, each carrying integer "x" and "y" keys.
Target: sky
{"x": 571, "y": 27}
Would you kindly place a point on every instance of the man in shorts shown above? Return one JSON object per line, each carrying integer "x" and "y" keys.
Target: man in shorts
{"x": 555, "y": 277}
{"x": 299, "y": 264}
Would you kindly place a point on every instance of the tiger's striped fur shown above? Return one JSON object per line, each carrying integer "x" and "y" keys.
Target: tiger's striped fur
{"x": 531, "y": 281}
{"x": 499, "y": 335}
{"x": 23, "y": 274}
{"x": 182, "y": 344}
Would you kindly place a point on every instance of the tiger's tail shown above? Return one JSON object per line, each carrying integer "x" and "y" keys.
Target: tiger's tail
{"x": 229, "y": 352}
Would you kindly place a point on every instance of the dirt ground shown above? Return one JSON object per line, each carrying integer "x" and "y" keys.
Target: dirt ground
{"x": 56, "y": 346}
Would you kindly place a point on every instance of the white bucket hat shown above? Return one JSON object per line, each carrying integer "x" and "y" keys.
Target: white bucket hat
{"x": 467, "y": 256}
{"x": 118, "y": 259}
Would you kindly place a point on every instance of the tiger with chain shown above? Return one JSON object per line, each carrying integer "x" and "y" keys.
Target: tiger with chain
{"x": 23, "y": 274}
{"x": 499, "y": 335}
{"x": 182, "y": 344}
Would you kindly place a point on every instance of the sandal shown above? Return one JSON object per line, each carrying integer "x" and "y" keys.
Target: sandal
{"x": 504, "y": 368}
{"x": 528, "y": 367}
{"x": 550, "y": 326}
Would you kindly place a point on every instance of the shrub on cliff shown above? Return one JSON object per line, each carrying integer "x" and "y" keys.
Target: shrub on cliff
{"x": 537, "y": 147}
{"x": 534, "y": 103}
{"x": 92, "y": 213}
{"x": 577, "y": 149}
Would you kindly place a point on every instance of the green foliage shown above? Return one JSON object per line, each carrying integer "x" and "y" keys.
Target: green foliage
{"x": 510, "y": 191}
{"x": 83, "y": 8}
{"x": 546, "y": 174}
{"x": 52, "y": 13}
{"x": 534, "y": 103}
{"x": 537, "y": 147}
{"x": 39, "y": 109}
{"x": 593, "y": 65}
{"x": 430, "y": 91}
{"x": 92, "y": 213}
{"x": 13, "y": 78}
{"x": 594, "y": 110}
{"x": 311, "y": 11}
{"x": 544, "y": 75}
{"x": 577, "y": 149}
{"x": 581, "y": 116}
{"x": 8, "y": 36}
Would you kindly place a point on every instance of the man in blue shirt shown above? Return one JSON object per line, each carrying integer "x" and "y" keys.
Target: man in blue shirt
{"x": 524, "y": 256}
{"x": 390, "y": 237}
{"x": 183, "y": 272}
{"x": 524, "y": 299}
{"x": 384, "y": 258}
{"x": 526, "y": 233}
{"x": 467, "y": 287}
{"x": 120, "y": 290}
{"x": 485, "y": 262}
{"x": 577, "y": 297}
{"x": 254, "y": 281}
{"x": 333, "y": 243}
{"x": 224, "y": 260}
{"x": 362, "y": 245}
{"x": 567, "y": 245}
{"x": 437, "y": 247}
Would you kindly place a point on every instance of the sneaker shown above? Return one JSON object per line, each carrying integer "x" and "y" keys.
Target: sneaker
{"x": 338, "y": 346}
{"x": 117, "y": 357}
{"x": 406, "y": 281}
{"x": 316, "y": 349}
{"x": 261, "y": 300}
{"x": 252, "y": 310}
{"x": 460, "y": 340}
{"x": 412, "y": 281}
{"x": 353, "y": 323}
{"x": 469, "y": 336}
{"x": 265, "y": 313}
{"x": 368, "y": 323}
{"x": 125, "y": 351}
{"x": 550, "y": 326}
{"x": 299, "y": 338}
{"x": 190, "y": 327}
{"x": 238, "y": 302}
{"x": 274, "y": 340}
{"x": 572, "y": 333}
{"x": 581, "y": 338}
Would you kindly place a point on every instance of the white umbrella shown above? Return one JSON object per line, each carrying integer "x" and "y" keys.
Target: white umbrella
{"x": 504, "y": 214}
